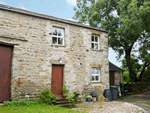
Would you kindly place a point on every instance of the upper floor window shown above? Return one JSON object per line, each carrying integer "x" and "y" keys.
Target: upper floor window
{"x": 58, "y": 36}
{"x": 95, "y": 74}
{"x": 95, "y": 42}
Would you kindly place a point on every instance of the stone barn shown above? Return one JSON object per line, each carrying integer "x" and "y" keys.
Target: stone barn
{"x": 115, "y": 74}
{"x": 38, "y": 51}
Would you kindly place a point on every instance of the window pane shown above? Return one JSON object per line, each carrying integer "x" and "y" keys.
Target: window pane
{"x": 97, "y": 78}
{"x": 92, "y": 38}
{"x": 60, "y": 32}
{"x": 60, "y": 41}
{"x": 96, "y": 46}
{"x": 93, "y": 71}
{"x": 92, "y": 45}
{"x": 96, "y": 71}
{"x": 96, "y": 39}
{"x": 54, "y": 31}
{"x": 54, "y": 40}
{"x": 92, "y": 78}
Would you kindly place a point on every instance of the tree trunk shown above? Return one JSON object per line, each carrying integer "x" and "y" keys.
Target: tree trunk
{"x": 143, "y": 69}
{"x": 132, "y": 74}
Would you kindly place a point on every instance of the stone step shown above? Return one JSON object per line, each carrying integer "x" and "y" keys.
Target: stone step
{"x": 66, "y": 105}
{"x": 62, "y": 102}
{"x": 61, "y": 99}
{"x": 1, "y": 104}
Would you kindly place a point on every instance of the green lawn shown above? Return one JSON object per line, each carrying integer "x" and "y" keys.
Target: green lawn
{"x": 36, "y": 109}
{"x": 148, "y": 103}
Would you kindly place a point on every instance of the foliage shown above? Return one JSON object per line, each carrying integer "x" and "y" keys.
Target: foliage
{"x": 21, "y": 102}
{"x": 89, "y": 97}
{"x": 136, "y": 68}
{"x": 127, "y": 24}
{"x": 146, "y": 75}
{"x": 64, "y": 90}
{"x": 47, "y": 97}
{"x": 127, "y": 82}
{"x": 71, "y": 98}
{"x": 148, "y": 103}
{"x": 39, "y": 108}
{"x": 100, "y": 107}
{"x": 76, "y": 96}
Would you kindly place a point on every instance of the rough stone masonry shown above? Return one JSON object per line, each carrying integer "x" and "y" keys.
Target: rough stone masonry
{"x": 34, "y": 55}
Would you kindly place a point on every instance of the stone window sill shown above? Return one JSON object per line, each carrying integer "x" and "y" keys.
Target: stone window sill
{"x": 100, "y": 50}
{"x": 53, "y": 45}
{"x": 95, "y": 82}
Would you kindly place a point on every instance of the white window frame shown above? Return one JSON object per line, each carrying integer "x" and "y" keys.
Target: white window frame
{"x": 96, "y": 75}
{"x": 94, "y": 42}
{"x": 58, "y": 36}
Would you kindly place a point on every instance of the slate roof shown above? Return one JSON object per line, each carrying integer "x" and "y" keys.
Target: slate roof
{"x": 26, "y": 12}
{"x": 113, "y": 67}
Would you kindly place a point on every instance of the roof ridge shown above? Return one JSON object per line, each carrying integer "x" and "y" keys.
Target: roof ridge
{"x": 31, "y": 13}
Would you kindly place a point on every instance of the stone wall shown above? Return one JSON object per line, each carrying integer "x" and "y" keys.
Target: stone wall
{"x": 117, "y": 77}
{"x": 33, "y": 57}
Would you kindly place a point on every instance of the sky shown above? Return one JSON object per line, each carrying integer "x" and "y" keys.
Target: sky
{"x": 56, "y": 8}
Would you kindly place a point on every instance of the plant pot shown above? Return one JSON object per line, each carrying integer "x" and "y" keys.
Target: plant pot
{"x": 94, "y": 94}
{"x": 64, "y": 95}
{"x": 89, "y": 100}
{"x": 94, "y": 99}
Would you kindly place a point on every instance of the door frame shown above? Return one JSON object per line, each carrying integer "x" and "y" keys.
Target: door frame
{"x": 62, "y": 73}
{"x": 12, "y": 48}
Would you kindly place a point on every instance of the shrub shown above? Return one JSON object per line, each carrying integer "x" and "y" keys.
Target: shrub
{"x": 64, "y": 90}
{"x": 71, "y": 98}
{"x": 21, "y": 102}
{"x": 47, "y": 97}
{"x": 76, "y": 96}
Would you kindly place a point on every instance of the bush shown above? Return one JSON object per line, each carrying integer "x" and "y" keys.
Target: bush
{"x": 71, "y": 98}
{"x": 47, "y": 97}
{"x": 76, "y": 96}
{"x": 21, "y": 102}
{"x": 64, "y": 90}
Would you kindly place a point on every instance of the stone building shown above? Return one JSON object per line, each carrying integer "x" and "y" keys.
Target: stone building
{"x": 38, "y": 51}
{"x": 115, "y": 74}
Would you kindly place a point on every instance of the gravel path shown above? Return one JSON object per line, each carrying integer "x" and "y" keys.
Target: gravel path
{"x": 144, "y": 106}
{"x": 109, "y": 107}
{"x": 138, "y": 101}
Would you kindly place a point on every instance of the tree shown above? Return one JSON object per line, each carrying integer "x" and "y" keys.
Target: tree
{"x": 146, "y": 75}
{"x": 125, "y": 22}
{"x": 136, "y": 68}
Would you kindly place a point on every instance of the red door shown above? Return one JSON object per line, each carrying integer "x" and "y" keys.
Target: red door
{"x": 111, "y": 78}
{"x": 5, "y": 72}
{"x": 57, "y": 79}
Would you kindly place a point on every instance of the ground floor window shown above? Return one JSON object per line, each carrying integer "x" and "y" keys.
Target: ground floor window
{"x": 95, "y": 74}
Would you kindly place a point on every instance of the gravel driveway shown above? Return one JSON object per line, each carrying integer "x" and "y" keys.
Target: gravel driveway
{"x": 109, "y": 107}
{"x": 138, "y": 101}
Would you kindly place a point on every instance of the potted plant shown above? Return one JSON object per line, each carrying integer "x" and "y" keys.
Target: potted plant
{"x": 89, "y": 98}
{"x": 71, "y": 97}
{"x": 65, "y": 91}
{"x": 94, "y": 93}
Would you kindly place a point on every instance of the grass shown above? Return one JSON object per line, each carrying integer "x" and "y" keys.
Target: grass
{"x": 40, "y": 108}
{"x": 148, "y": 103}
{"x": 100, "y": 107}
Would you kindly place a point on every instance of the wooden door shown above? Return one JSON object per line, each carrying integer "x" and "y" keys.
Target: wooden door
{"x": 57, "y": 79}
{"x": 5, "y": 72}
{"x": 111, "y": 78}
